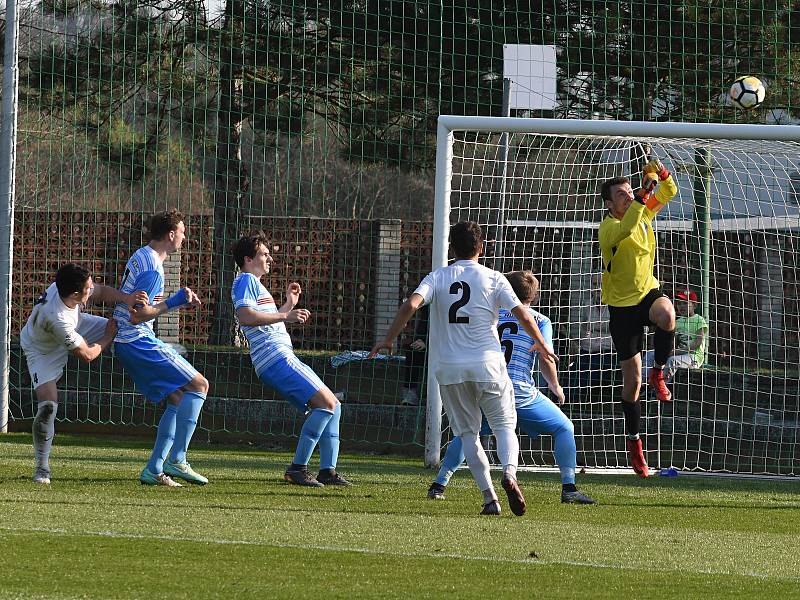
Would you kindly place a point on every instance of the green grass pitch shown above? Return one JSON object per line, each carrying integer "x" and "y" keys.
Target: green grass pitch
{"x": 96, "y": 533}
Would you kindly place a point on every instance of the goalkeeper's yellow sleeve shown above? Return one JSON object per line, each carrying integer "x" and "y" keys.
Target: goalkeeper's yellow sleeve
{"x": 664, "y": 193}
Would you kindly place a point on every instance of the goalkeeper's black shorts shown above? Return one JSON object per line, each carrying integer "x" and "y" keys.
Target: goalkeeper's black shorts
{"x": 627, "y": 323}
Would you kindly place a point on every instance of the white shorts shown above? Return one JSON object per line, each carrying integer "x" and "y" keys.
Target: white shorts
{"x": 46, "y": 367}
{"x": 463, "y": 403}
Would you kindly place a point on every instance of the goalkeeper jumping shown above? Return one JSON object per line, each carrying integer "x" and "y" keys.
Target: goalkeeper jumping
{"x": 633, "y": 295}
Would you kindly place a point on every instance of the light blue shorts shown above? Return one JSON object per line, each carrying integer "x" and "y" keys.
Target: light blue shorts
{"x": 541, "y": 416}
{"x": 156, "y": 369}
{"x": 292, "y": 379}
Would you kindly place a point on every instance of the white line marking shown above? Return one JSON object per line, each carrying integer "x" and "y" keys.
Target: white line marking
{"x": 372, "y": 551}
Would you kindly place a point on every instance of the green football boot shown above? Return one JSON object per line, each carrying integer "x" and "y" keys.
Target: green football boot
{"x": 184, "y": 471}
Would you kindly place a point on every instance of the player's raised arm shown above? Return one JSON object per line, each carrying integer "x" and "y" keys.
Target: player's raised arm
{"x": 659, "y": 185}
{"x": 529, "y": 325}
{"x": 250, "y": 317}
{"x": 142, "y": 313}
{"x": 104, "y": 294}
{"x": 403, "y": 316}
{"x": 88, "y": 352}
{"x": 293, "y": 292}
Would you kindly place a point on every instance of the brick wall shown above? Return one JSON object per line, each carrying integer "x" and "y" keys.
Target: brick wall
{"x": 337, "y": 262}
{"x": 334, "y": 260}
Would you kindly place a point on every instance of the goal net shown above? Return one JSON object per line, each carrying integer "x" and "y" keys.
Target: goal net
{"x": 731, "y": 236}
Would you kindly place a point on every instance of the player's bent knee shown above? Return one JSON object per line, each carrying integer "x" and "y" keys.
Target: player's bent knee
{"x": 198, "y": 384}
{"x": 323, "y": 399}
{"x": 665, "y": 318}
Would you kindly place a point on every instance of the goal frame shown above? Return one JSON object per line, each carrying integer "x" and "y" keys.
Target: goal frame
{"x": 448, "y": 124}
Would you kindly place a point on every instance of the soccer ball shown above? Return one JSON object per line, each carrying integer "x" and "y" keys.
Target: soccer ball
{"x": 747, "y": 92}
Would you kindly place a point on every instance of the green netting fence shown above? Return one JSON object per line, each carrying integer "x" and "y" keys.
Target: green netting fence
{"x": 315, "y": 121}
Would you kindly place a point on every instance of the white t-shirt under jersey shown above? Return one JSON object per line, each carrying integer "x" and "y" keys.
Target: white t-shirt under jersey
{"x": 52, "y": 325}
{"x": 465, "y": 300}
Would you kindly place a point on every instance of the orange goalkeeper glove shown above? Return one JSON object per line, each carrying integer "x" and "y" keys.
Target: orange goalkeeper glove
{"x": 653, "y": 172}
{"x": 655, "y": 168}
{"x": 644, "y": 195}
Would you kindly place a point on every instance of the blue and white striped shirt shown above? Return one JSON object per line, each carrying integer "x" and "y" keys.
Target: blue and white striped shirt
{"x": 517, "y": 345}
{"x": 143, "y": 272}
{"x": 267, "y": 342}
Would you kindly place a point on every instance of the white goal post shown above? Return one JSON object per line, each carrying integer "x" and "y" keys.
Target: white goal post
{"x": 731, "y": 235}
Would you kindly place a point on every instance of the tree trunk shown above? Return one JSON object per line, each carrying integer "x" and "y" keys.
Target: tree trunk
{"x": 231, "y": 176}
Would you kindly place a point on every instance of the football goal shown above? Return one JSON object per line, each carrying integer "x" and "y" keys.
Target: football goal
{"x": 731, "y": 237}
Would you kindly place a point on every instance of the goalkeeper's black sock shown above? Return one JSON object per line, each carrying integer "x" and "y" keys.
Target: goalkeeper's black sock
{"x": 633, "y": 413}
{"x": 296, "y": 467}
{"x": 568, "y": 487}
{"x": 662, "y": 346}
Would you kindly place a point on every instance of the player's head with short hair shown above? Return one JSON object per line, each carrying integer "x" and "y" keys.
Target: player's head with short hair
{"x": 605, "y": 188}
{"x": 617, "y": 194}
{"x": 525, "y": 285}
{"x": 466, "y": 239}
{"x": 71, "y": 279}
{"x": 167, "y": 231}
{"x": 247, "y": 247}
{"x": 162, "y": 223}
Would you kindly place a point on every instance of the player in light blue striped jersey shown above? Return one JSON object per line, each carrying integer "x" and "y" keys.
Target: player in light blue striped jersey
{"x": 158, "y": 371}
{"x": 536, "y": 414}
{"x": 263, "y": 323}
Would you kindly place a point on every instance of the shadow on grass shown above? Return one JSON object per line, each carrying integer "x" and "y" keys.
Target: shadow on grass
{"x": 688, "y": 483}
{"x": 352, "y": 506}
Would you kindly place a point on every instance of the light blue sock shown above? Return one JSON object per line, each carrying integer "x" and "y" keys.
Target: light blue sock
{"x": 565, "y": 453}
{"x": 309, "y": 436}
{"x": 188, "y": 414}
{"x": 164, "y": 439}
{"x": 453, "y": 458}
{"x": 329, "y": 441}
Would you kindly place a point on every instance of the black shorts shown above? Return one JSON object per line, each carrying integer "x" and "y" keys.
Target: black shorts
{"x": 627, "y": 323}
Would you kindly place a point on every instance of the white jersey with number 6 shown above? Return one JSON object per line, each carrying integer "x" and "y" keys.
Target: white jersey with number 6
{"x": 465, "y": 299}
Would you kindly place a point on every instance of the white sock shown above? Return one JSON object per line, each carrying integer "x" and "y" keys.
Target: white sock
{"x": 478, "y": 463}
{"x": 507, "y": 451}
{"x": 44, "y": 427}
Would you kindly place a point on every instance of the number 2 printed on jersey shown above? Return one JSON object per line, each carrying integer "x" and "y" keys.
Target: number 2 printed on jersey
{"x": 457, "y": 287}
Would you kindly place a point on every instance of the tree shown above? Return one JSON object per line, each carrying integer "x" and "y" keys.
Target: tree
{"x": 230, "y": 175}
{"x": 668, "y": 60}
{"x": 377, "y": 73}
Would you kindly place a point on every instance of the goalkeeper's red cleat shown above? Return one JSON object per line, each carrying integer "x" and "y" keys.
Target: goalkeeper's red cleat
{"x": 636, "y": 457}
{"x": 656, "y": 381}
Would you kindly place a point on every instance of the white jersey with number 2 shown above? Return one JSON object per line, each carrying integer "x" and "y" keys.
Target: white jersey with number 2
{"x": 465, "y": 299}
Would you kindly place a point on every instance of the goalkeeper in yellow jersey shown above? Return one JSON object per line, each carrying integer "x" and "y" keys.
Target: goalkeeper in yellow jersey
{"x": 635, "y": 301}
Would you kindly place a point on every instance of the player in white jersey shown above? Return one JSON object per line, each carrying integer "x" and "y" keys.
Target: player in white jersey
{"x": 158, "y": 371}
{"x": 263, "y": 323}
{"x": 56, "y": 329}
{"x": 467, "y": 359}
{"x": 536, "y": 414}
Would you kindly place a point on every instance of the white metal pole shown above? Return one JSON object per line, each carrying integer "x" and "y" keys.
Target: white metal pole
{"x": 8, "y": 141}
{"x": 501, "y": 217}
{"x": 623, "y": 129}
{"x": 441, "y": 231}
